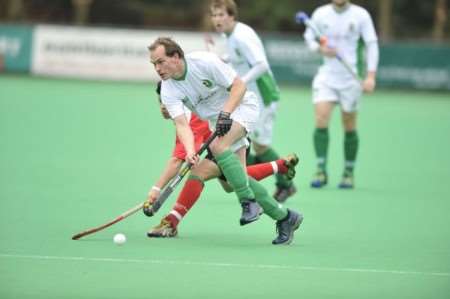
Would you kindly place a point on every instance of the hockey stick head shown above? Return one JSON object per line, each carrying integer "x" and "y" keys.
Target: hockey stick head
{"x": 301, "y": 17}
{"x": 150, "y": 209}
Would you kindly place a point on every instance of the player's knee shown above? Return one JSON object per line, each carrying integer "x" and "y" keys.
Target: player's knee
{"x": 259, "y": 148}
{"x": 321, "y": 122}
{"x": 323, "y": 114}
{"x": 217, "y": 148}
{"x": 349, "y": 121}
{"x": 199, "y": 173}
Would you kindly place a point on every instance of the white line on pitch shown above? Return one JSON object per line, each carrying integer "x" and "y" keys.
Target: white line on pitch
{"x": 217, "y": 264}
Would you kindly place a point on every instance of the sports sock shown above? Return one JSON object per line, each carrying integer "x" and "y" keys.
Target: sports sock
{"x": 188, "y": 196}
{"x": 251, "y": 159}
{"x": 262, "y": 170}
{"x": 271, "y": 208}
{"x": 321, "y": 140}
{"x": 236, "y": 176}
{"x": 271, "y": 155}
{"x": 351, "y": 142}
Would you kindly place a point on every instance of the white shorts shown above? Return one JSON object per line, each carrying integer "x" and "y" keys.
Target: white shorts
{"x": 246, "y": 114}
{"x": 264, "y": 127}
{"x": 348, "y": 97}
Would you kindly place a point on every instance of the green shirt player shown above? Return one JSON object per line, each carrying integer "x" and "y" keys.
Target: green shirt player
{"x": 213, "y": 91}
{"x": 343, "y": 26}
{"x": 246, "y": 54}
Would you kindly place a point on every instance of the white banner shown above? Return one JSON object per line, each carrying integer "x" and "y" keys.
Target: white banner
{"x": 101, "y": 53}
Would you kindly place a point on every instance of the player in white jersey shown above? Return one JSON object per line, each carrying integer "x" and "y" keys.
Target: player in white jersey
{"x": 212, "y": 89}
{"x": 246, "y": 54}
{"x": 343, "y": 27}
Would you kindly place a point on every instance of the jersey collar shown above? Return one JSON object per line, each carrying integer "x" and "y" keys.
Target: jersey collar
{"x": 228, "y": 34}
{"x": 343, "y": 9}
{"x": 185, "y": 72}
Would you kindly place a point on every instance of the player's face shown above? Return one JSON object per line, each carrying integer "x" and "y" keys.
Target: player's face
{"x": 165, "y": 66}
{"x": 221, "y": 20}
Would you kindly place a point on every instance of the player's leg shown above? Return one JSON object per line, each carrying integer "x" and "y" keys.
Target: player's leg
{"x": 287, "y": 221}
{"x": 188, "y": 196}
{"x": 323, "y": 111}
{"x": 285, "y": 166}
{"x": 232, "y": 162}
{"x": 264, "y": 152}
{"x": 284, "y": 185}
{"x": 232, "y": 166}
{"x": 349, "y": 100}
{"x": 351, "y": 142}
{"x": 324, "y": 99}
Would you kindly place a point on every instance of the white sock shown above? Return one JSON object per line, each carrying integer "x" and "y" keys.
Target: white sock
{"x": 274, "y": 166}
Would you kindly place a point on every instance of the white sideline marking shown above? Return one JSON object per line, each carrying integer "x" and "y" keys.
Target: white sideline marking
{"x": 217, "y": 264}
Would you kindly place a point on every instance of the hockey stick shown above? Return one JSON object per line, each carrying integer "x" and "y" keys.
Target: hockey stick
{"x": 156, "y": 205}
{"x": 98, "y": 228}
{"x": 302, "y": 18}
{"x": 151, "y": 209}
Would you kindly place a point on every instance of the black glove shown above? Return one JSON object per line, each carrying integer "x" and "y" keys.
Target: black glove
{"x": 223, "y": 124}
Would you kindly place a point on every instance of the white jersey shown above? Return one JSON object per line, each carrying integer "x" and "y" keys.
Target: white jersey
{"x": 245, "y": 49}
{"x": 343, "y": 31}
{"x": 204, "y": 88}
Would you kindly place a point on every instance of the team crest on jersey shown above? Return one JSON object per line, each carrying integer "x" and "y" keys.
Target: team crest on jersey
{"x": 351, "y": 27}
{"x": 207, "y": 83}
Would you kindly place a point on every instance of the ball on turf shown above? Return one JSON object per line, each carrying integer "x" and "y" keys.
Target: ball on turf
{"x": 119, "y": 239}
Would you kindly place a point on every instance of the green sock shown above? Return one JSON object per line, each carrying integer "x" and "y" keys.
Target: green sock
{"x": 351, "y": 142}
{"x": 268, "y": 156}
{"x": 271, "y": 208}
{"x": 233, "y": 170}
{"x": 321, "y": 140}
{"x": 251, "y": 159}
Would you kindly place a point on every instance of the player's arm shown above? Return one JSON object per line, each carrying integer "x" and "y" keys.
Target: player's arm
{"x": 311, "y": 38}
{"x": 252, "y": 49}
{"x": 226, "y": 77}
{"x": 372, "y": 52}
{"x": 237, "y": 92}
{"x": 172, "y": 168}
{"x": 369, "y": 82}
{"x": 257, "y": 70}
{"x": 186, "y": 137}
{"x": 174, "y": 163}
{"x": 316, "y": 43}
{"x": 224, "y": 121}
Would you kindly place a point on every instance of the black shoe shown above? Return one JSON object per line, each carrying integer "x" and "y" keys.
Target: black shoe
{"x": 286, "y": 228}
{"x": 250, "y": 211}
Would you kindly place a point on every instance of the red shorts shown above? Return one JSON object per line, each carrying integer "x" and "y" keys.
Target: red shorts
{"x": 201, "y": 132}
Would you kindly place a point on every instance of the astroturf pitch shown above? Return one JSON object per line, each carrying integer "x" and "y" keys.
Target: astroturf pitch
{"x": 75, "y": 154}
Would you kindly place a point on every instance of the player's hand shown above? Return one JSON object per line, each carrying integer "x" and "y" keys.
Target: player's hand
{"x": 192, "y": 158}
{"x": 327, "y": 51}
{"x": 153, "y": 195}
{"x": 224, "y": 123}
{"x": 164, "y": 111}
{"x": 369, "y": 84}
